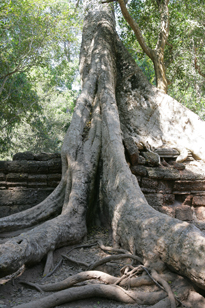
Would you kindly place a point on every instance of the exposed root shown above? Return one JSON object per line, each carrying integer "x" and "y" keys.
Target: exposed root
{"x": 75, "y": 261}
{"x": 49, "y": 262}
{"x": 97, "y": 290}
{"x": 14, "y": 275}
{"x": 111, "y": 249}
{"x": 88, "y": 275}
{"x": 55, "y": 268}
{"x": 33, "y": 285}
{"x": 38, "y": 242}
{"x": 129, "y": 280}
{"x": 81, "y": 246}
{"x": 69, "y": 295}
{"x": 51, "y": 206}
{"x": 114, "y": 257}
{"x": 69, "y": 259}
{"x": 162, "y": 304}
{"x": 166, "y": 287}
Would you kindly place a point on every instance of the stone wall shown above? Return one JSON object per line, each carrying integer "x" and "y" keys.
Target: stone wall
{"x": 175, "y": 189}
{"x": 27, "y": 180}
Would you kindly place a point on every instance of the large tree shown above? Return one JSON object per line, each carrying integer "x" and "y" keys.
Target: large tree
{"x": 116, "y": 104}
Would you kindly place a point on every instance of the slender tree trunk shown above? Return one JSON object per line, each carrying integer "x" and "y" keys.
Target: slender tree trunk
{"x": 156, "y": 54}
{"x": 116, "y": 102}
{"x": 160, "y": 70}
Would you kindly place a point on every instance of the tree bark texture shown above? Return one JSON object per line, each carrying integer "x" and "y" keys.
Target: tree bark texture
{"x": 116, "y": 102}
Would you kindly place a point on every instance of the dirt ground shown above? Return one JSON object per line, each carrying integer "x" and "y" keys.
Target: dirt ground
{"x": 13, "y": 293}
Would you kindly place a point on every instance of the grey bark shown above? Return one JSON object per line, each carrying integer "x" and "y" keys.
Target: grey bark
{"x": 116, "y": 102}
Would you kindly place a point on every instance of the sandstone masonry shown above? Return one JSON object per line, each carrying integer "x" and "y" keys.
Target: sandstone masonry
{"x": 177, "y": 190}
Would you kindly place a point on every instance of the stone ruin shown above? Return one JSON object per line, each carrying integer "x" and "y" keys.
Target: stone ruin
{"x": 176, "y": 189}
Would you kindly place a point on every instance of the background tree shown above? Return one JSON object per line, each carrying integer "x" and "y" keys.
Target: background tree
{"x": 38, "y": 60}
{"x": 186, "y": 29}
{"x": 155, "y": 54}
{"x": 27, "y": 105}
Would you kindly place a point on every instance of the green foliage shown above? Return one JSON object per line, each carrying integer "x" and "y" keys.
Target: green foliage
{"x": 187, "y": 36}
{"x": 46, "y": 130}
{"x": 185, "y": 46}
{"x": 38, "y": 50}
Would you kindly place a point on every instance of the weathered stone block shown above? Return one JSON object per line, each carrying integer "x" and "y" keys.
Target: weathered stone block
{"x": 24, "y": 156}
{"x": 21, "y": 196}
{"x": 37, "y": 184}
{"x": 190, "y": 175}
{"x": 16, "y": 177}
{"x": 179, "y": 166}
{"x": 167, "y": 152}
{"x": 38, "y": 167}
{"x": 142, "y": 160}
{"x": 5, "y": 211}
{"x": 6, "y": 197}
{"x": 132, "y": 150}
{"x": 184, "y": 212}
{"x": 42, "y": 178}
{"x": 189, "y": 185}
{"x": 198, "y": 201}
{"x": 151, "y": 159}
{"x": 154, "y": 199}
{"x": 53, "y": 183}
{"x": 54, "y": 165}
{"x": 149, "y": 183}
{"x": 163, "y": 173}
{"x": 20, "y": 166}
{"x": 200, "y": 212}
{"x": 3, "y": 166}
{"x": 168, "y": 199}
{"x": 46, "y": 156}
{"x": 2, "y": 176}
{"x": 165, "y": 187}
{"x": 16, "y": 184}
{"x": 54, "y": 177}
{"x": 2, "y": 184}
{"x": 139, "y": 170}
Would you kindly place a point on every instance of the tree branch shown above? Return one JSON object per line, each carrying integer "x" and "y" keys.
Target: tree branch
{"x": 135, "y": 27}
{"x": 3, "y": 84}
{"x": 197, "y": 67}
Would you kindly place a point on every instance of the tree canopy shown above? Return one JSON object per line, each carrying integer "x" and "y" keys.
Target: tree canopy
{"x": 38, "y": 59}
{"x": 184, "y": 51}
{"x": 39, "y": 52}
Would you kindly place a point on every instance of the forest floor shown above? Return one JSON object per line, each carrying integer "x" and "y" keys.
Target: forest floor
{"x": 13, "y": 292}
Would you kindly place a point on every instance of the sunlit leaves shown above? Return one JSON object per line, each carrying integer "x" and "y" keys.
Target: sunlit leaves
{"x": 185, "y": 48}
{"x": 38, "y": 50}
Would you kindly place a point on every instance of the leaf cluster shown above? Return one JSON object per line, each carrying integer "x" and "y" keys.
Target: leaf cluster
{"x": 38, "y": 49}
{"x": 185, "y": 48}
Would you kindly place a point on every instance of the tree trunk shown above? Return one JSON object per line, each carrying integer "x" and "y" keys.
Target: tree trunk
{"x": 157, "y": 54}
{"x": 116, "y": 102}
{"x": 160, "y": 70}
